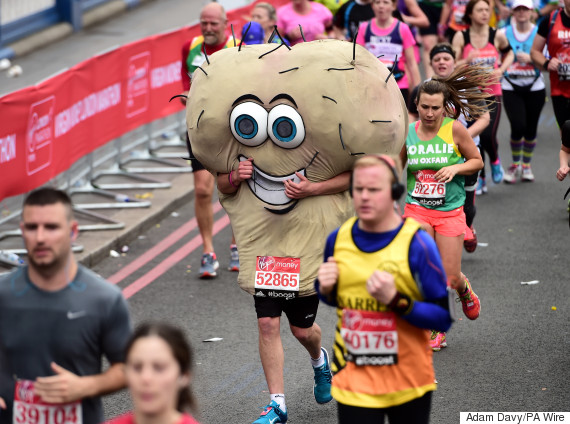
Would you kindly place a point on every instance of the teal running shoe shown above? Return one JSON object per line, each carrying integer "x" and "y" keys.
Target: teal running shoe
{"x": 323, "y": 380}
{"x": 272, "y": 414}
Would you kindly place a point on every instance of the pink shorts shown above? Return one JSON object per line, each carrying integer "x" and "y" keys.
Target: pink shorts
{"x": 447, "y": 223}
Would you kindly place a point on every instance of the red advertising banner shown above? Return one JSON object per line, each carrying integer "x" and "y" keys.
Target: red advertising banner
{"x": 45, "y": 128}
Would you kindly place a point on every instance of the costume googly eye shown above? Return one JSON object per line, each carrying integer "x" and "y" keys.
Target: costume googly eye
{"x": 286, "y": 127}
{"x": 248, "y": 122}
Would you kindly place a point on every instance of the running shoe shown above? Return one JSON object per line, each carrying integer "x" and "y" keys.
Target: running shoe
{"x": 209, "y": 265}
{"x": 272, "y": 414}
{"x": 234, "y": 259}
{"x": 469, "y": 301}
{"x": 481, "y": 186}
{"x": 512, "y": 174}
{"x": 497, "y": 171}
{"x": 470, "y": 240}
{"x": 323, "y": 380}
{"x": 437, "y": 340}
{"x": 527, "y": 175}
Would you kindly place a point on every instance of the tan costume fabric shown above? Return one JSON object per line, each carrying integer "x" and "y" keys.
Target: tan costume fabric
{"x": 311, "y": 109}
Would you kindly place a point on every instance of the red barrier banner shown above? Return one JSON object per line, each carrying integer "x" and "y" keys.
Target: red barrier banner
{"x": 45, "y": 128}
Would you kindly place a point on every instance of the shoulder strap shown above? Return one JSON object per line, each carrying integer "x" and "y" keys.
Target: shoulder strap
{"x": 466, "y": 39}
{"x": 347, "y": 11}
{"x": 492, "y": 32}
{"x": 553, "y": 16}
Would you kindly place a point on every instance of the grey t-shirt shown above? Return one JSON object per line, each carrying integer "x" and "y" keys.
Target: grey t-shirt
{"x": 73, "y": 327}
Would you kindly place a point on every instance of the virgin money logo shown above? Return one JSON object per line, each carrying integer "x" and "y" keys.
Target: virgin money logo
{"x": 138, "y": 84}
{"x": 39, "y": 135}
{"x": 266, "y": 263}
{"x": 26, "y": 391}
{"x": 352, "y": 320}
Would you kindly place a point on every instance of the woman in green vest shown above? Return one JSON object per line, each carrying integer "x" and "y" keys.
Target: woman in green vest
{"x": 440, "y": 152}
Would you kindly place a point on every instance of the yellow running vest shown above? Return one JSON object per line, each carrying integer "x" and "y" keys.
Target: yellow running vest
{"x": 380, "y": 360}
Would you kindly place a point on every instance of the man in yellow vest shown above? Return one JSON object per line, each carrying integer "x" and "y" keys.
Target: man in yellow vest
{"x": 386, "y": 279}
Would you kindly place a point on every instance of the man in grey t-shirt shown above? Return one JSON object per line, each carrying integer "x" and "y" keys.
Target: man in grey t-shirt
{"x": 57, "y": 320}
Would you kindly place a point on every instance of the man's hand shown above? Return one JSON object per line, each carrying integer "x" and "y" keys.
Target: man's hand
{"x": 2, "y": 404}
{"x": 328, "y": 276}
{"x": 244, "y": 171}
{"x": 562, "y": 172}
{"x": 64, "y": 387}
{"x": 298, "y": 190}
{"x": 381, "y": 286}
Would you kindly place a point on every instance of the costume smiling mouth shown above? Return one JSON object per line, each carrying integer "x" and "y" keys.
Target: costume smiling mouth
{"x": 270, "y": 189}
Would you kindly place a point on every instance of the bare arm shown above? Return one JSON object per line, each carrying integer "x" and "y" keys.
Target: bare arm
{"x": 501, "y": 43}
{"x": 538, "y": 57}
{"x": 468, "y": 150}
{"x": 416, "y": 17}
{"x": 229, "y": 183}
{"x": 306, "y": 188}
{"x": 564, "y": 163}
{"x": 65, "y": 386}
{"x": 479, "y": 125}
{"x": 444, "y": 20}
{"x": 411, "y": 64}
{"x": 458, "y": 44}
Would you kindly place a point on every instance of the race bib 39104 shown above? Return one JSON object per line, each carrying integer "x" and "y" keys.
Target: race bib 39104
{"x": 30, "y": 409}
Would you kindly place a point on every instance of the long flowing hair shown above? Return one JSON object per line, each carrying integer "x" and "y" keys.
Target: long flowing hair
{"x": 463, "y": 91}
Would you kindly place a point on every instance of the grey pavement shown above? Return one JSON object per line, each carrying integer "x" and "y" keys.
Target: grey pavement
{"x": 513, "y": 358}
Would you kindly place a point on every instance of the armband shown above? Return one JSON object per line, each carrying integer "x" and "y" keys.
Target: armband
{"x": 506, "y": 49}
{"x": 230, "y": 180}
{"x": 545, "y": 65}
{"x": 401, "y": 304}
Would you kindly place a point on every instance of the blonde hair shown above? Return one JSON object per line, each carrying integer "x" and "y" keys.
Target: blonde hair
{"x": 389, "y": 161}
{"x": 269, "y": 8}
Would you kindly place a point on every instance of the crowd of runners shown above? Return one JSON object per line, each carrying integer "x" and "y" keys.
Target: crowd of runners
{"x": 393, "y": 277}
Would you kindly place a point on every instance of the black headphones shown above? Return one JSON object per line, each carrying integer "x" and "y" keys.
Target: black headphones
{"x": 397, "y": 188}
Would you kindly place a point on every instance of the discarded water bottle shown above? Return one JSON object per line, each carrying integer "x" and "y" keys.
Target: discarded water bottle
{"x": 10, "y": 258}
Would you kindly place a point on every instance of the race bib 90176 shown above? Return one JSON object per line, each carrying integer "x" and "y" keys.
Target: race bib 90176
{"x": 370, "y": 338}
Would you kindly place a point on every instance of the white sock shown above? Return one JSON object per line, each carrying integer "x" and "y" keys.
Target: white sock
{"x": 280, "y": 399}
{"x": 319, "y": 362}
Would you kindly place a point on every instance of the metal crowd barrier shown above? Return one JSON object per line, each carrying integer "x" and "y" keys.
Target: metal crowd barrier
{"x": 111, "y": 161}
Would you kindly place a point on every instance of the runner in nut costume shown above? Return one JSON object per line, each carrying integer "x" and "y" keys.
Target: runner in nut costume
{"x": 282, "y": 142}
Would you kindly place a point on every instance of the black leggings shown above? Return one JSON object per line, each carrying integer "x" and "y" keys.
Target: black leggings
{"x": 523, "y": 109}
{"x": 469, "y": 207}
{"x": 488, "y": 138}
{"x": 414, "y": 412}
{"x": 561, "y": 106}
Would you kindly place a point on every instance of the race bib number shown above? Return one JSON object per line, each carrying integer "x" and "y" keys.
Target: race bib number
{"x": 30, "y": 409}
{"x": 277, "y": 277}
{"x": 370, "y": 337}
{"x": 521, "y": 70}
{"x": 564, "y": 71}
{"x": 427, "y": 190}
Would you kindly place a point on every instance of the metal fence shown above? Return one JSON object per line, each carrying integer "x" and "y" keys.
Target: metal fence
{"x": 108, "y": 178}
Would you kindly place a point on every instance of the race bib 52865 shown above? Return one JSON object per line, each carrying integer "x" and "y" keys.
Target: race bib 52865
{"x": 277, "y": 277}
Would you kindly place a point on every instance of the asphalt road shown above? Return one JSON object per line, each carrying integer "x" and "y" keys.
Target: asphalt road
{"x": 513, "y": 358}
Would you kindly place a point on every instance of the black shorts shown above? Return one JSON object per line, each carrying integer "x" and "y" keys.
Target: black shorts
{"x": 301, "y": 311}
{"x": 196, "y": 164}
{"x": 433, "y": 14}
